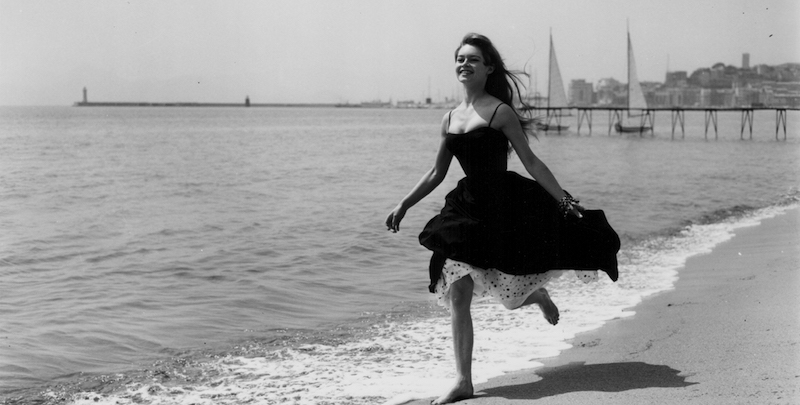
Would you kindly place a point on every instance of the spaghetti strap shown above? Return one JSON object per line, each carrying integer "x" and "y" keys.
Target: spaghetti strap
{"x": 493, "y": 114}
{"x": 448, "y": 120}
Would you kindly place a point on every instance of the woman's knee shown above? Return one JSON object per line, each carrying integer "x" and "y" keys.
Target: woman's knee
{"x": 461, "y": 292}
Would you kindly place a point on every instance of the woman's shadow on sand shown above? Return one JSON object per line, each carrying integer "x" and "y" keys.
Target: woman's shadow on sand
{"x": 576, "y": 377}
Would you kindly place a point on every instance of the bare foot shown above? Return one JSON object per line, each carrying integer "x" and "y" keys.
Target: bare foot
{"x": 462, "y": 390}
{"x": 549, "y": 309}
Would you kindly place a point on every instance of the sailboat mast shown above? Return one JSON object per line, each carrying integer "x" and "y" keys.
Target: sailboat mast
{"x": 549, "y": 70}
{"x": 627, "y": 28}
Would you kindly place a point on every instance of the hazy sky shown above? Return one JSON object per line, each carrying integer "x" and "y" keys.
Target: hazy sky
{"x": 337, "y": 51}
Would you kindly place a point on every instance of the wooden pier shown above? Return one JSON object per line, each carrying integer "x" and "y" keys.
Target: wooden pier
{"x": 677, "y": 115}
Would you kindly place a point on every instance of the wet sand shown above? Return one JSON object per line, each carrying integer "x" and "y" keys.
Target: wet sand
{"x": 728, "y": 333}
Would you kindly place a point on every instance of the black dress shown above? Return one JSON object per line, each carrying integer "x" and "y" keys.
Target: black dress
{"x": 495, "y": 218}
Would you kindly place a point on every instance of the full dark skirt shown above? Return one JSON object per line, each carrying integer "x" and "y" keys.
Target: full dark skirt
{"x": 510, "y": 223}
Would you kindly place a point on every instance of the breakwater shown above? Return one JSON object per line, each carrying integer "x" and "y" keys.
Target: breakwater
{"x": 182, "y": 104}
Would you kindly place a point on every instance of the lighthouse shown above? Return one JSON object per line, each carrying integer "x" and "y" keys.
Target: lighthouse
{"x": 85, "y": 99}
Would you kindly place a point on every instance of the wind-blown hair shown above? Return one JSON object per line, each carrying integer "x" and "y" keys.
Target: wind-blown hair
{"x": 501, "y": 83}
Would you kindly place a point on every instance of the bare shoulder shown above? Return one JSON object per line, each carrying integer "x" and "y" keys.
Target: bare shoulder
{"x": 505, "y": 118}
{"x": 505, "y": 115}
{"x": 445, "y": 122}
{"x": 446, "y": 116}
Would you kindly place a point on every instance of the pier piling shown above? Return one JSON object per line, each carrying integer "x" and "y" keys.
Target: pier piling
{"x": 648, "y": 117}
{"x": 747, "y": 117}
{"x": 617, "y": 118}
{"x": 780, "y": 118}
{"x": 584, "y": 113}
{"x": 677, "y": 115}
{"x": 711, "y": 115}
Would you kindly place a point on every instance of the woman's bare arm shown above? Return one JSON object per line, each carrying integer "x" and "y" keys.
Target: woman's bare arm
{"x": 509, "y": 124}
{"x": 426, "y": 184}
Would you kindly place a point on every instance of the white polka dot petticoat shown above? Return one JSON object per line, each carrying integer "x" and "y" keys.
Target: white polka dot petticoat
{"x": 507, "y": 289}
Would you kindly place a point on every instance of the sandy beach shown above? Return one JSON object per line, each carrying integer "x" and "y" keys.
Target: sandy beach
{"x": 726, "y": 334}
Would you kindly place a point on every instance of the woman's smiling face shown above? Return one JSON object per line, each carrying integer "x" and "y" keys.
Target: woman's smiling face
{"x": 471, "y": 65}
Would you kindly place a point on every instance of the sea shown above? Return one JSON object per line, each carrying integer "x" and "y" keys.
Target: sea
{"x": 239, "y": 255}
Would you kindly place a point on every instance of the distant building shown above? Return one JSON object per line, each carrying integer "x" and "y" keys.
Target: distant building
{"x": 746, "y": 97}
{"x": 718, "y": 98}
{"x": 581, "y": 93}
{"x": 690, "y": 96}
{"x": 407, "y": 104}
{"x": 676, "y": 79}
{"x": 376, "y": 104}
{"x": 666, "y": 97}
{"x": 610, "y": 92}
{"x": 780, "y": 94}
{"x": 718, "y": 86}
{"x": 85, "y": 98}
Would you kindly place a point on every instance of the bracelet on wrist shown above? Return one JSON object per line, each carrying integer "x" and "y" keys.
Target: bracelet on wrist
{"x": 566, "y": 203}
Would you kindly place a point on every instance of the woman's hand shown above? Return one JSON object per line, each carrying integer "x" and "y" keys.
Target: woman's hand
{"x": 394, "y": 218}
{"x": 568, "y": 205}
{"x": 577, "y": 210}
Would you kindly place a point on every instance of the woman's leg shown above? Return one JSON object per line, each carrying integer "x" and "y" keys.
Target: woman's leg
{"x": 542, "y": 298}
{"x": 460, "y": 301}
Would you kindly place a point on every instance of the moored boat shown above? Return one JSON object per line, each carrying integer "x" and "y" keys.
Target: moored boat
{"x": 636, "y": 99}
{"x": 556, "y": 96}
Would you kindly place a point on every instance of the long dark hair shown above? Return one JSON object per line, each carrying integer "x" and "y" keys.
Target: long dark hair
{"x": 501, "y": 83}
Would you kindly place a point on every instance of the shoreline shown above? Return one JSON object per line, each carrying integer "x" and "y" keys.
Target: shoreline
{"x": 726, "y": 333}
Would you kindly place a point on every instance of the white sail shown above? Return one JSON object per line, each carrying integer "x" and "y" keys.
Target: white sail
{"x": 556, "y": 97}
{"x": 636, "y": 98}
